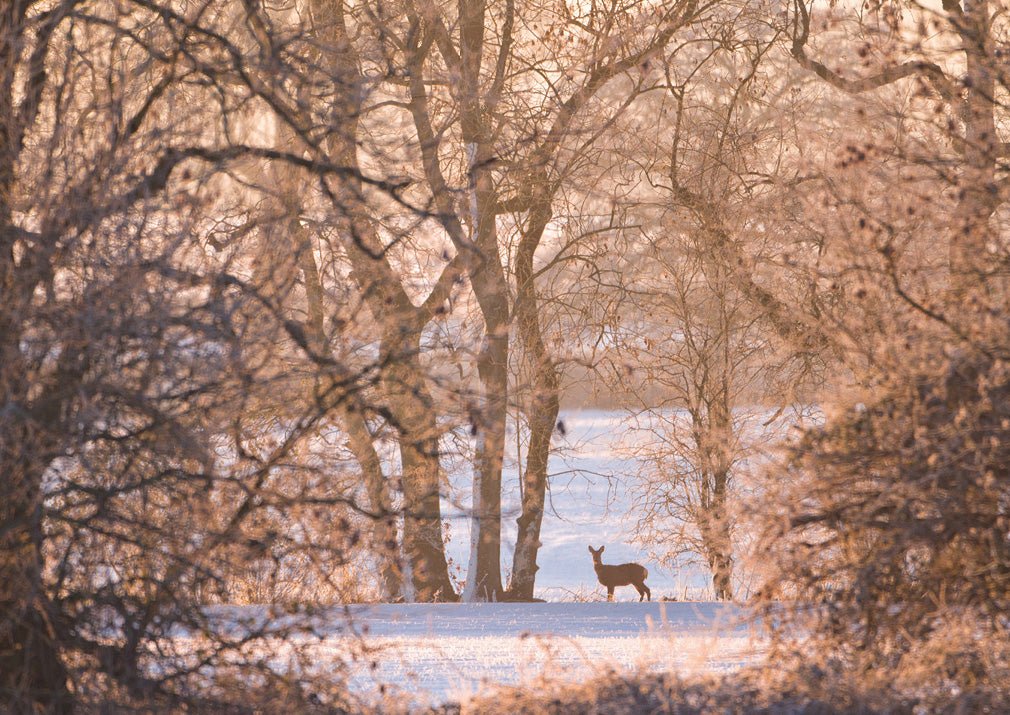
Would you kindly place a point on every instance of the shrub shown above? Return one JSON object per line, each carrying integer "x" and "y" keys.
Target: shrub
{"x": 889, "y": 538}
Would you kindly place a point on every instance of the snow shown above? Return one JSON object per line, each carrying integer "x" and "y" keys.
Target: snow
{"x": 435, "y": 653}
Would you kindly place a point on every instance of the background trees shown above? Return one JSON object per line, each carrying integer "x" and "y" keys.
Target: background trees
{"x": 245, "y": 247}
{"x": 499, "y": 114}
{"x": 147, "y": 443}
{"x": 885, "y": 513}
{"x": 715, "y": 357}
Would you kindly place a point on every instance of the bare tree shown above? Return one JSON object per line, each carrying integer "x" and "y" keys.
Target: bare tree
{"x": 409, "y": 407}
{"x": 145, "y": 438}
{"x": 699, "y": 323}
{"x": 703, "y": 346}
{"x": 509, "y": 159}
{"x": 886, "y": 533}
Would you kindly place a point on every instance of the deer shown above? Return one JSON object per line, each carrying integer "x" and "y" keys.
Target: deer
{"x": 614, "y": 575}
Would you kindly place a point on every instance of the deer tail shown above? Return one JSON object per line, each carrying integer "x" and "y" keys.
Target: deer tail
{"x": 645, "y": 573}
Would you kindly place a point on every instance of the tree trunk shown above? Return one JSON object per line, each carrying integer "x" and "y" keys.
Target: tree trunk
{"x": 542, "y": 419}
{"x": 718, "y": 541}
{"x": 714, "y": 435}
{"x": 542, "y": 412}
{"x": 491, "y": 289}
{"x": 32, "y": 675}
{"x": 359, "y": 437}
{"x": 977, "y": 200}
{"x": 484, "y": 570}
{"x": 410, "y": 401}
{"x": 385, "y": 543}
{"x": 422, "y": 532}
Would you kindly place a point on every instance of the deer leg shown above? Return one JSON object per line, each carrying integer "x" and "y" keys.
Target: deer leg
{"x": 648, "y": 593}
{"x": 641, "y": 591}
{"x": 610, "y": 593}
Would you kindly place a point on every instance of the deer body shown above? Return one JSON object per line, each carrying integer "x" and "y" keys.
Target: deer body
{"x": 614, "y": 575}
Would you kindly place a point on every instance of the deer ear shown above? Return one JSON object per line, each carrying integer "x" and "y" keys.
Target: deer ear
{"x": 590, "y": 548}
{"x": 602, "y": 548}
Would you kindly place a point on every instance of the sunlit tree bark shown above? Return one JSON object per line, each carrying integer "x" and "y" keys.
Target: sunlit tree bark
{"x": 403, "y": 378}
{"x": 519, "y": 180}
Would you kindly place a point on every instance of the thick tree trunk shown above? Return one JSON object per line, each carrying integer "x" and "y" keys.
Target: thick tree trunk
{"x": 422, "y": 532}
{"x": 718, "y": 541}
{"x": 491, "y": 289}
{"x": 542, "y": 418}
{"x": 484, "y": 571}
{"x": 968, "y": 250}
{"x": 32, "y": 675}
{"x": 359, "y": 437}
{"x": 542, "y": 411}
{"x": 405, "y": 387}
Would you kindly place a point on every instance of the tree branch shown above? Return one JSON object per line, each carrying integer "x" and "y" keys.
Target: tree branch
{"x": 929, "y": 71}
{"x": 155, "y": 181}
{"x": 545, "y": 152}
{"x": 442, "y": 290}
{"x": 429, "y": 144}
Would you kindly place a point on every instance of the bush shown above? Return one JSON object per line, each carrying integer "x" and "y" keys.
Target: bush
{"x": 890, "y": 535}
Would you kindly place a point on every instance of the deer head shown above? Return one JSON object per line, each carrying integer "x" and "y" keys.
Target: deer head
{"x": 597, "y": 554}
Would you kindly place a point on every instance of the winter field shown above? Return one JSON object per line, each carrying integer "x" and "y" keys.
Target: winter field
{"x": 434, "y": 653}
{"x": 429, "y": 654}
{"x": 438, "y": 653}
{"x": 446, "y": 652}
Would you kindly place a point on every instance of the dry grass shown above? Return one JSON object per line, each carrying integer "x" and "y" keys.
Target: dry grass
{"x": 791, "y": 690}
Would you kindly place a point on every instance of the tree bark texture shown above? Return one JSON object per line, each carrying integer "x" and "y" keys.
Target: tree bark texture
{"x": 491, "y": 289}
{"x": 542, "y": 410}
{"x": 403, "y": 380}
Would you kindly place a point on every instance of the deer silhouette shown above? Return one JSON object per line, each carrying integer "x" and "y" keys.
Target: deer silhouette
{"x": 614, "y": 575}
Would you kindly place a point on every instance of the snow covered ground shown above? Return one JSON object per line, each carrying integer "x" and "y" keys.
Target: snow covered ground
{"x": 437, "y": 653}
{"x": 428, "y": 654}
